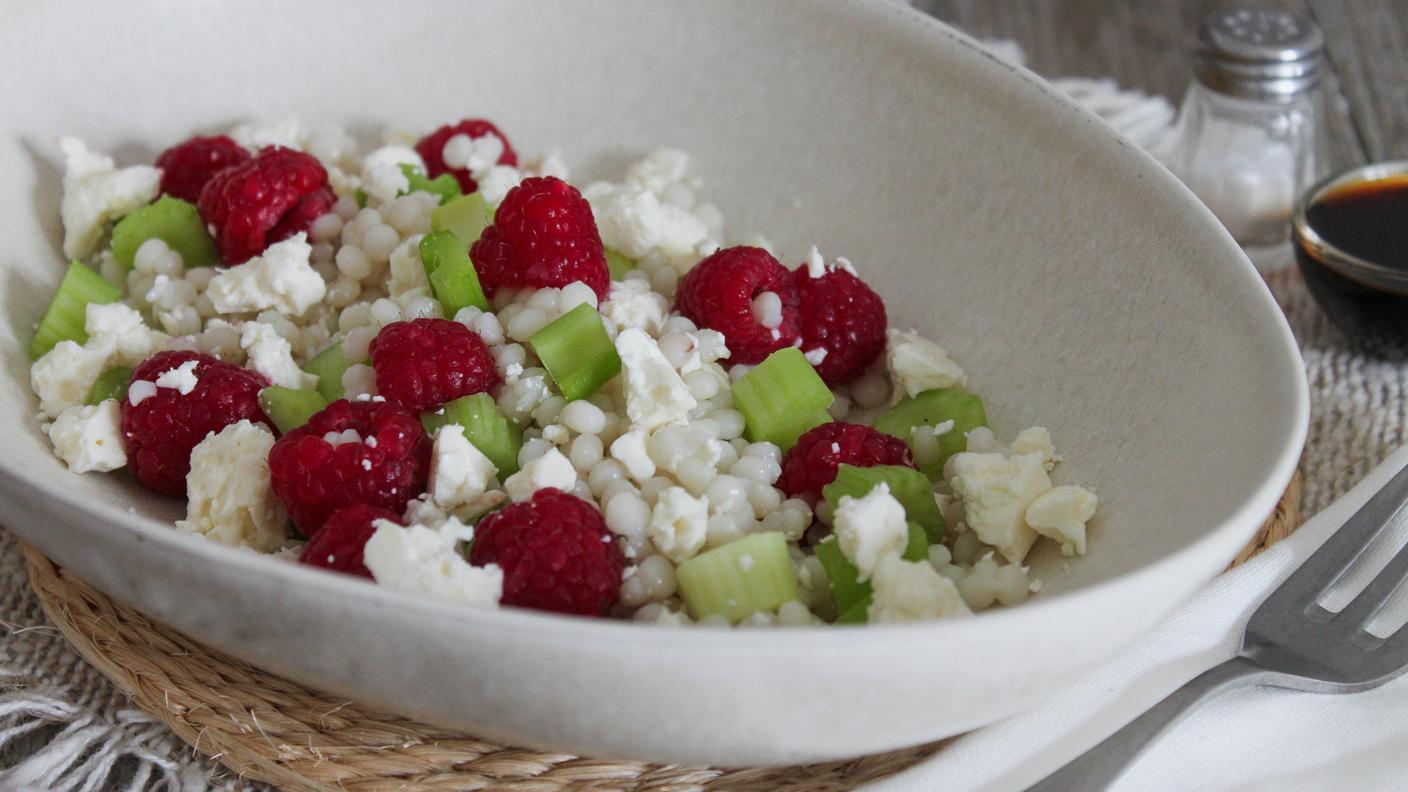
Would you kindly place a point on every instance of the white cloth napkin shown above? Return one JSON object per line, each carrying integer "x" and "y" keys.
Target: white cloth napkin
{"x": 1248, "y": 739}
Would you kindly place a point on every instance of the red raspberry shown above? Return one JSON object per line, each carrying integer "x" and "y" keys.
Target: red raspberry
{"x": 186, "y": 167}
{"x": 718, "y": 293}
{"x": 160, "y": 431}
{"x": 431, "y": 149}
{"x": 338, "y": 544}
{"x": 264, "y": 200}
{"x": 423, "y": 363}
{"x": 556, "y": 554}
{"x": 812, "y": 462}
{"x": 843, "y": 316}
{"x": 386, "y": 469}
{"x": 543, "y": 235}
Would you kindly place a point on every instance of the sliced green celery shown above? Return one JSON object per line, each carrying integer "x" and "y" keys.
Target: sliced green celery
{"x": 485, "y": 428}
{"x": 111, "y": 384}
{"x": 858, "y": 613}
{"x": 67, "y": 314}
{"x": 910, "y": 487}
{"x": 329, "y": 366}
{"x": 739, "y": 579}
{"x": 931, "y": 408}
{"x": 360, "y": 197}
{"x": 842, "y": 576}
{"x": 917, "y": 548}
{"x": 443, "y": 185}
{"x": 466, "y": 217}
{"x": 451, "y": 273}
{"x": 173, "y": 221}
{"x": 290, "y": 408}
{"x": 781, "y": 398}
{"x": 619, "y": 264}
{"x": 577, "y": 353}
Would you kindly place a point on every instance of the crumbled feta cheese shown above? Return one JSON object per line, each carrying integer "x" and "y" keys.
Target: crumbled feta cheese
{"x": 629, "y": 449}
{"x": 255, "y": 135}
{"x": 522, "y": 394}
{"x": 89, "y": 437}
{"x": 655, "y": 393}
{"x": 271, "y": 354}
{"x": 815, "y": 356}
{"x": 678, "y": 524}
{"x": 496, "y": 182}
{"x": 140, "y": 391}
{"x": 425, "y": 561}
{"x": 406, "y": 268}
{"x": 459, "y": 472}
{"x": 1061, "y": 514}
{"x": 182, "y": 378}
{"x": 382, "y": 177}
{"x": 817, "y": 266}
{"x": 96, "y": 193}
{"x": 634, "y": 222}
{"x": 344, "y": 437}
{"x": 870, "y": 527}
{"x": 1036, "y": 440}
{"x": 282, "y": 279}
{"x": 549, "y": 470}
{"x": 632, "y": 303}
{"x": 911, "y": 591}
{"x": 122, "y": 327}
{"x": 917, "y": 364}
{"x": 229, "y": 496}
{"x": 658, "y": 170}
{"x": 63, "y": 377}
{"x": 996, "y": 491}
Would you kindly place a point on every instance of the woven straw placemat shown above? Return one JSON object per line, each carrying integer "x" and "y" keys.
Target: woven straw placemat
{"x": 293, "y": 737}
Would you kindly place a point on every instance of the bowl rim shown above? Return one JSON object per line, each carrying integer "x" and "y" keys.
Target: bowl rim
{"x": 922, "y": 30}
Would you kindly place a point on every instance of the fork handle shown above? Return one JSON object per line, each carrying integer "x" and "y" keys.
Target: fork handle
{"x": 1098, "y": 767}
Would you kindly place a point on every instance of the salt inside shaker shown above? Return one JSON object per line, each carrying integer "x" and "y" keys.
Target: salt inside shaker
{"x": 1246, "y": 139}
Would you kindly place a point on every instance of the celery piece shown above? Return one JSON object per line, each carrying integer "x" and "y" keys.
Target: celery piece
{"x": 577, "y": 353}
{"x": 781, "y": 398}
{"x": 443, "y": 185}
{"x": 618, "y": 264}
{"x": 67, "y": 314}
{"x": 739, "y": 579}
{"x": 290, "y": 408}
{"x": 858, "y": 613}
{"x": 917, "y": 548}
{"x": 933, "y": 407}
{"x": 466, "y": 217}
{"x": 485, "y": 428}
{"x": 910, "y": 487}
{"x": 173, "y": 221}
{"x": 329, "y": 366}
{"x": 112, "y": 384}
{"x": 360, "y": 197}
{"x": 842, "y": 575}
{"x": 452, "y": 276}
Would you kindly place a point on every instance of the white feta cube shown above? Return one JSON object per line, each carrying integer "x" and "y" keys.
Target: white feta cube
{"x": 89, "y": 437}
{"x": 182, "y": 378}
{"x": 634, "y": 221}
{"x": 495, "y": 183}
{"x": 630, "y": 450}
{"x": 912, "y": 591}
{"x": 255, "y": 135}
{"x": 552, "y": 469}
{"x": 655, "y": 393}
{"x": 229, "y": 495}
{"x": 870, "y": 527}
{"x": 996, "y": 491}
{"x": 122, "y": 327}
{"x": 382, "y": 177}
{"x": 63, "y": 377}
{"x": 632, "y": 303}
{"x": 917, "y": 364}
{"x": 271, "y": 354}
{"x": 459, "y": 472}
{"x": 1061, "y": 514}
{"x": 281, "y": 279}
{"x": 678, "y": 524}
{"x": 97, "y": 193}
{"x": 1036, "y": 440}
{"x": 424, "y": 561}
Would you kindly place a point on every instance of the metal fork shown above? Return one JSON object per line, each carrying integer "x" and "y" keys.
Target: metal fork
{"x": 1290, "y": 642}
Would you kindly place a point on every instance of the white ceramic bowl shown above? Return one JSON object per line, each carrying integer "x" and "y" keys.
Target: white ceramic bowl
{"x": 1079, "y": 284}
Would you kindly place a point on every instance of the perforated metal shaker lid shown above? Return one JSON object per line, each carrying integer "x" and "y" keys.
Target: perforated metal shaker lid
{"x": 1262, "y": 54}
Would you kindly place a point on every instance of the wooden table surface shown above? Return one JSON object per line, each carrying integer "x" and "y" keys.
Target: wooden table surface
{"x": 1144, "y": 44}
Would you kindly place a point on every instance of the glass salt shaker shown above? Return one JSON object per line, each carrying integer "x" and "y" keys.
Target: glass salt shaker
{"x": 1246, "y": 135}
